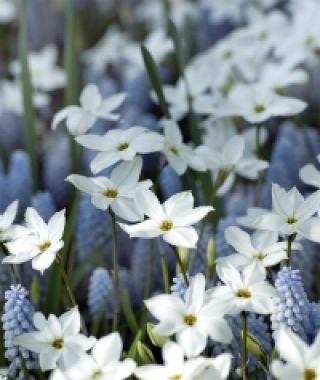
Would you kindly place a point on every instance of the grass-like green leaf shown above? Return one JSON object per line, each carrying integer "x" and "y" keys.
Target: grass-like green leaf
{"x": 29, "y": 113}
{"x": 155, "y": 81}
{"x": 129, "y": 313}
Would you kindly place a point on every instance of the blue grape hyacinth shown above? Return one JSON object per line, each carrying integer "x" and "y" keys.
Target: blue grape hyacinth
{"x": 101, "y": 294}
{"x": 292, "y": 306}
{"x": 17, "y": 320}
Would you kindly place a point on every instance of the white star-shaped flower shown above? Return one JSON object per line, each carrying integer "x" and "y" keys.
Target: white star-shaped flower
{"x": 257, "y": 104}
{"x": 103, "y": 362}
{"x": 302, "y": 362}
{"x": 37, "y": 240}
{"x": 291, "y": 214}
{"x": 117, "y": 145}
{"x": 58, "y": 340}
{"x": 117, "y": 192}
{"x": 192, "y": 319}
{"x": 244, "y": 291}
{"x": 172, "y": 220}
{"x": 79, "y": 119}
{"x": 262, "y": 248}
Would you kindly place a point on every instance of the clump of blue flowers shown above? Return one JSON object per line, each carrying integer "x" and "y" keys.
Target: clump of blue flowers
{"x": 17, "y": 320}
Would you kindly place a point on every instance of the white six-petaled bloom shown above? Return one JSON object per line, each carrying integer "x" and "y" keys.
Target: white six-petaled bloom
{"x": 117, "y": 145}
{"x": 179, "y": 155}
{"x": 58, "y": 340}
{"x": 192, "y": 319}
{"x": 174, "y": 367}
{"x": 79, "y": 119}
{"x": 117, "y": 192}
{"x": 291, "y": 214}
{"x": 261, "y": 248}
{"x": 257, "y": 104}
{"x": 302, "y": 362}
{"x": 103, "y": 362}
{"x": 45, "y": 74}
{"x": 37, "y": 240}
{"x": 172, "y": 220}
{"x": 244, "y": 291}
{"x": 6, "y": 222}
{"x": 230, "y": 160}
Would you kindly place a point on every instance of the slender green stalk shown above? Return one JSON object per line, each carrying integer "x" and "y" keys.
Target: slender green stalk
{"x": 71, "y": 67}
{"x": 29, "y": 113}
{"x": 181, "y": 266}
{"x": 70, "y": 56}
{"x": 67, "y": 285}
{"x": 244, "y": 351}
{"x": 260, "y": 175}
{"x": 115, "y": 273}
{"x": 290, "y": 240}
{"x": 164, "y": 268}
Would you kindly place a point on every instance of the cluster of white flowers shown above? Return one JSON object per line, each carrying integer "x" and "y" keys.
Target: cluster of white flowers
{"x": 231, "y": 91}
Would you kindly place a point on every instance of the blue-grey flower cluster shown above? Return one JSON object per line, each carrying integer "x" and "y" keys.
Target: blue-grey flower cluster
{"x": 17, "y": 320}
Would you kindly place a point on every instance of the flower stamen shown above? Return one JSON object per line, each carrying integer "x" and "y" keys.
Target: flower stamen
{"x": 111, "y": 193}
{"x": 123, "y": 146}
{"x": 243, "y": 293}
{"x": 310, "y": 374}
{"x": 190, "y": 320}
{"x": 166, "y": 225}
{"x": 58, "y": 344}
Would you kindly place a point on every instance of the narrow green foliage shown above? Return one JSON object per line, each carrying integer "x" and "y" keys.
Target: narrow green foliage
{"x": 211, "y": 258}
{"x": 144, "y": 354}
{"x": 256, "y": 348}
{"x": 155, "y": 81}
{"x": 71, "y": 66}
{"x": 54, "y": 288}
{"x": 35, "y": 291}
{"x": 132, "y": 353}
{"x": 129, "y": 313}
{"x": 70, "y": 56}
{"x": 156, "y": 340}
{"x": 165, "y": 272}
{"x": 178, "y": 50}
{"x": 29, "y": 113}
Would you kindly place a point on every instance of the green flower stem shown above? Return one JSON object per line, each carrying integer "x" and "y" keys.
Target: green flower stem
{"x": 244, "y": 351}
{"x": 164, "y": 268}
{"x": 115, "y": 274}
{"x": 290, "y": 240}
{"x": 28, "y": 113}
{"x": 66, "y": 283}
{"x": 181, "y": 266}
{"x": 258, "y": 152}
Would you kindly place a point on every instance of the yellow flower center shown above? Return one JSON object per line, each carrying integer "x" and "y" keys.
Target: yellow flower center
{"x": 174, "y": 150}
{"x": 259, "y": 108}
{"x": 310, "y": 374}
{"x": 58, "y": 344}
{"x": 123, "y": 146}
{"x": 228, "y": 54}
{"x": 292, "y": 221}
{"x": 176, "y": 377}
{"x": 45, "y": 246}
{"x": 190, "y": 320}
{"x": 96, "y": 375}
{"x": 166, "y": 225}
{"x": 243, "y": 293}
{"x": 261, "y": 256}
{"x": 111, "y": 193}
